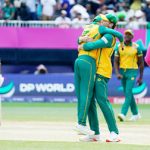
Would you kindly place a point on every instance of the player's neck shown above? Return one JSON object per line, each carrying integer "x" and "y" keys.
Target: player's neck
{"x": 127, "y": 42}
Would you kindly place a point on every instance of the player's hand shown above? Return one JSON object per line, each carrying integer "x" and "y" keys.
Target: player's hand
{"x": 80, "y": 47}
{"x": 89, "y": 39}
{"x": 122, "y": 45}
{"x": 139, "y": 81}
{"x": 85, "y": 39}
{"x": 119, "y": 76}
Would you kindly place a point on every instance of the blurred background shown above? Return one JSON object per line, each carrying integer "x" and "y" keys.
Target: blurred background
{"x": 38, "y": 45}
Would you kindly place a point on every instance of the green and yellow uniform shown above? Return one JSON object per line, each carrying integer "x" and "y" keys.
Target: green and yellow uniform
{"x": 91, "y": 31}
{"x": 103, "y": 74}
{"x": 128, "y": 64}
{"x": 85, "y": 70}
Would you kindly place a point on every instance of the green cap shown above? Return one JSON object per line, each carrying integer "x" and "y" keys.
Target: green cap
{"x": 97, "y": 19}
{"x": 100, "y": 17}
{"x": 121, "y": 15}
{"x": 112, "y": 18}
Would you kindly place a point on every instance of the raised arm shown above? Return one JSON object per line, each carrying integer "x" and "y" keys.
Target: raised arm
{"x": 104, "y": 30}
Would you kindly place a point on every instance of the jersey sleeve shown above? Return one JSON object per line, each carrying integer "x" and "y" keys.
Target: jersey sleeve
{"x": 103, "y": 42}
{"x": 105, "y": 30}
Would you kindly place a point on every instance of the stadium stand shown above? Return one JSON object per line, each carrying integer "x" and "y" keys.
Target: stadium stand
{"x": 44, "y": 14}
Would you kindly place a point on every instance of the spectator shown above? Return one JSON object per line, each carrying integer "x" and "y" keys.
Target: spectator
{"x": 66, "y": 6}
{"x": 136, "y": 5}
{"x": 72, "y": 2}
{"x": 51, "y": 9}
{"x": 22, "y": 12}
{"x": 1, "y": 12}
{"x": 79, "y": 9}
{"x": 48, "y": 9}
{"x": 121, "y": 16}
{"x": 95, "y": 4}
{"x": 140, "y": 16}
{"x": 120, "y": 6}
{"x": 58, "y": 9}
{"x": 17, "y": 3}
{"x": 110, "y": 9}
{"x": 12, "y": 1}
{"x": 39, "y": 9}
{"x": 82, "y": 2}
{"x": 135, "y": 20}
{"x": 8, "y": 11}
{"x": 41, "y": 69}
{"x": 102, "y": 10}
{"x": 1, "y": 3}
{"x": 32, "y": 8}
{"x": 111, "y": 2}
{"x": 126, "y": 10}
{"x": 63, "y": 21}
{"x": 89, "y": 10}
{"x": 146, "y": 10}
{"x": 78, "y": 21}
{"x": 132, "y": 24}
{"x": 130, "y": 14}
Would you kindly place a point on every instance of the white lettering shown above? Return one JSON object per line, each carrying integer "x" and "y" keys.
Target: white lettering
{"x": 43, "y": 87}
{"x": 23, "y": 87}
{"x": 40, "y": 87}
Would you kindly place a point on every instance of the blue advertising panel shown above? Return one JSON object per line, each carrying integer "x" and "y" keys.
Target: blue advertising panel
{"x": 114, "y": 85}
{"x": 58, "y": 88}
{"x": 50, "y": 87}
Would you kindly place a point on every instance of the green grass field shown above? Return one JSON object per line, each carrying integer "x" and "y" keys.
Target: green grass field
{"x": 64, "y": 112}
{"x": 18, "y": 145}
{"x": 56, "y": 112}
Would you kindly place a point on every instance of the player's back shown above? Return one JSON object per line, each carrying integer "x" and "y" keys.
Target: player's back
{"x": 91, "y": 31}
{"x": 103, "y": 63}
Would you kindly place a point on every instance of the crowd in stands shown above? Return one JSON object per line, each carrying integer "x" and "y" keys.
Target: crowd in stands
{"x": 77, "y": 12}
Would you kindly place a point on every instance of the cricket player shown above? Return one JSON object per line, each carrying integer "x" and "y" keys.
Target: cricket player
{"x": 103, "y": 74}
{"x": 126, "y": 65}
{"x": 85, "y": 70}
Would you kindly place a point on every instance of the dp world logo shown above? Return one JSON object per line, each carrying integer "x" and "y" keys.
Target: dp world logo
{"x": 7, "y": 90}
{"x": 138, "y": 91}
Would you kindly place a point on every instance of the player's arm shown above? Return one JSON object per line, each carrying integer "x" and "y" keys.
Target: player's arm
{"x": 105, "y": 41}
{"x": 116, "y": 63}
{"x": 84, "y": 39}
{"x": 140, "y": 64}
{"x": 104, "y": 30}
